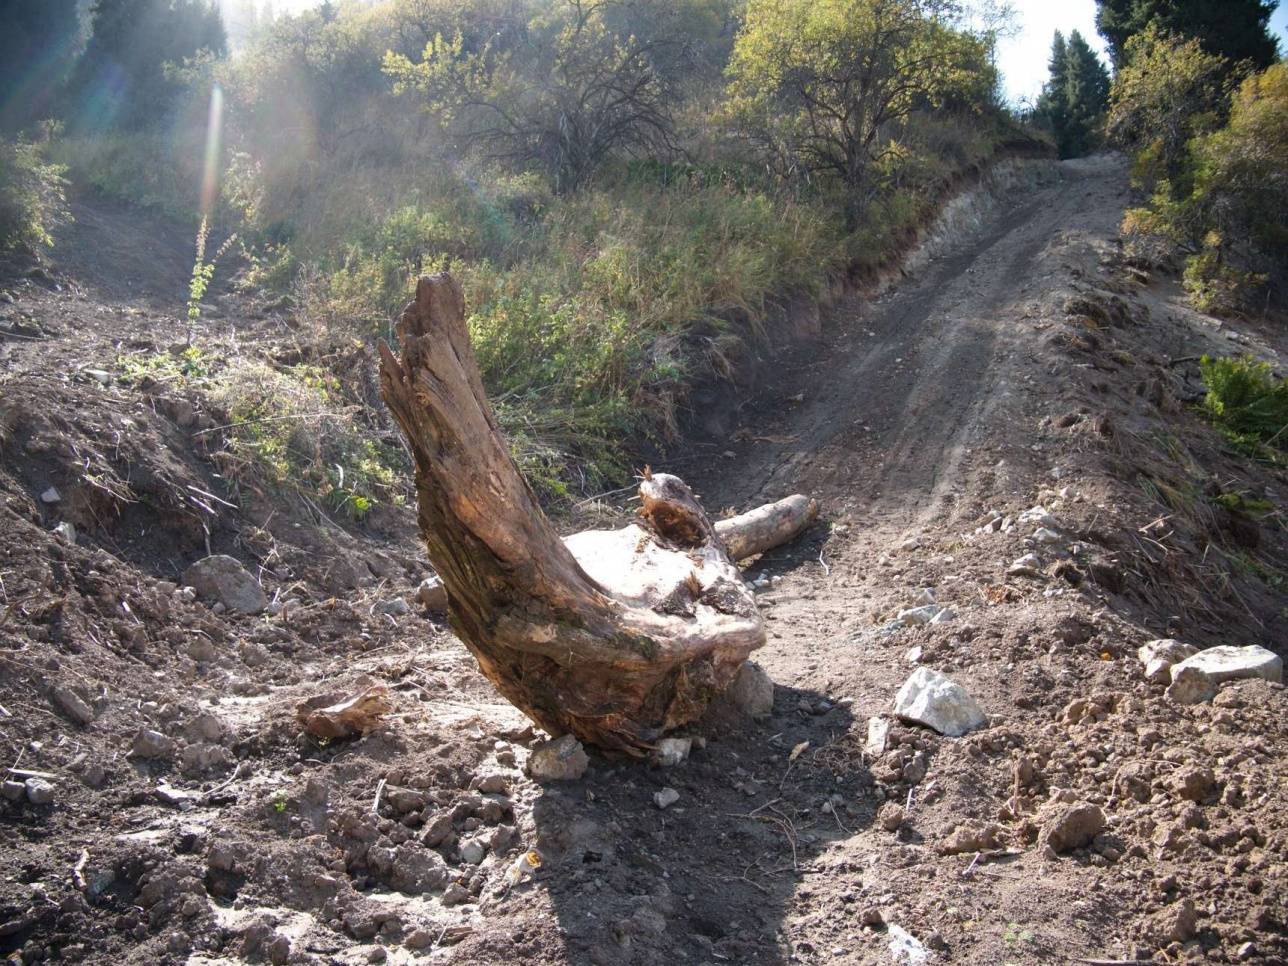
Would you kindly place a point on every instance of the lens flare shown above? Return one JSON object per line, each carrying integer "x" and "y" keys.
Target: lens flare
{"x": 214, "y": 137}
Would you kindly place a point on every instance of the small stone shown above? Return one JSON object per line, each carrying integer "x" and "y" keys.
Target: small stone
{"x": 563, "y": 759}
{"x": 394, "y": 607}
{"x": 914, "y": 654}
{"x": 100, "y": 376}
{"x": 670, "y": 752}
{"x": 66, "y": 530}
{"x": 13, "y": 791}
{"x": 455, "y": 894}
{"x": 493, "y": 783}
{"x": 222, "y": 579}
{"x": 72, "y": 704}
{"x": 39, "y": 791}
{"x": 151, "y": 744}
{"x": 51, "y": 495}
{"x": 1046, "y": 535}
{"x": 1072, "y": 827}
{"x": 878, "y": 736}
{"x": 1038, "y": 515}
{"x": 912, "y": 616}
{"x": 472, "y": 851}
{"x": 666, "y": 798}
{"x": 432, "y": 595}
{"x": 931, "y": 699}
{"x": 915, "y": 770}
{"x": 1246, "y": 952}
{"x": 891, "y": 816}
{"x": 752, "y": 691}
{"x": 1198, "y": 677}
{"x": 1159, "y": 656}
{"x": 1030, "y": 565}
{"x": 945, "y": 615}
{"x": 419, "y": 939}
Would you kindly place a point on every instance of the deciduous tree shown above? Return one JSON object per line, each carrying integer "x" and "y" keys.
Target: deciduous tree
{"x": 821, "y": 82}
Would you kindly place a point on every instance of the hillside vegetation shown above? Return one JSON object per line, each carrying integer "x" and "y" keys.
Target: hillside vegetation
{"x": 630, "y": 192}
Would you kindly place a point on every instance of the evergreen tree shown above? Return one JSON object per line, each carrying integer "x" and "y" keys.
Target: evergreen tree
{"x": 125, "y": 77}
{"x": 1235, "y": 29}
{"x": 38, "y": 45}
{"x": 1075, "y": 98}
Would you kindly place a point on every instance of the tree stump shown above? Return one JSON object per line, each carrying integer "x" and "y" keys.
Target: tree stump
{"x": 613, "y": 636}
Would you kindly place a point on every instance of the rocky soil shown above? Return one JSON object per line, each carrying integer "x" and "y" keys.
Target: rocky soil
{"x": 1018, "y": 496}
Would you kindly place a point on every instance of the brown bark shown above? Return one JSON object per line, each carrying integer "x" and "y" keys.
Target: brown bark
{"x": 614, "y": 636}
{"x": 766, "y": 527}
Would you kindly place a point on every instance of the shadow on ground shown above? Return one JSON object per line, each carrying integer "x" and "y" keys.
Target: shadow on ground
{"x": 712, "y": 876}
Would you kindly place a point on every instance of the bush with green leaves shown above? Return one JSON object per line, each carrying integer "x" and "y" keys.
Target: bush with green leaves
{"x": 32, "y": 196}
{"x": 1246, "y": 400}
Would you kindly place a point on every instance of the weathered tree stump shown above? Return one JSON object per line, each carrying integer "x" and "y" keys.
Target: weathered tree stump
{"x": 614, "y": 636}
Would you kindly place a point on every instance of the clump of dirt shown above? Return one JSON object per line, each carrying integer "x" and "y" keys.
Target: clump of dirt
{"x": 1016, "y": 495}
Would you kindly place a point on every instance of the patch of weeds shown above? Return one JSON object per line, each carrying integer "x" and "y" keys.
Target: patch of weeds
{"x": 292, "y": 429}
{"x": 1248, "y": 404}
{"x": 192, "y": 364}
{"x": 1015, "y": 933}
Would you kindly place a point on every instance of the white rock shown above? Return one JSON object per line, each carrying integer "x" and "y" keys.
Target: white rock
{"x": 944, "y": 616}
{"x": 1159, "y": 656}
{"x": 394, "y": 607}
{"x": 1039, "y": 516}
{"x": 431, "y": 594}
{"x": 912, "y": 543}
{"x": 222, "y": 579}
{"x": 1197, "y": 678}
{"x": 913, "y": 655}
{"x": 669, "y": 752}
{"x": 925, "y": 596}
{"x": 931, "y": 699}
{"x": 39, "y": 791}
{"x": 666, "y": 798}
{"x": 472, "y": 851}
{"x": 878, "y": 735}
{"x": 51, "y": 495}
{"x": 66, "y": 531}
{"x": 918, "y": 615}
{"x": 563, "y": 759}
{"x": 1030, "y": 565}
{"x": 1046, "y": 535}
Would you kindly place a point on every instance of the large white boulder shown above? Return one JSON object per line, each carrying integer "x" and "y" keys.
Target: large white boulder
{"x": 1197, "y": 678}
{"x": 931, "y": 699}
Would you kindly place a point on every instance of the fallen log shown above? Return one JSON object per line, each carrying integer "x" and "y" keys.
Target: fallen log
{"x": 614, "y": 636}
{"x": 767, "y": 526}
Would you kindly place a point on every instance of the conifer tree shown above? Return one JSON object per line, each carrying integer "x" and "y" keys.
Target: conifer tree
{"x": 123, "y": 79}
{"x": 38, "y": 45}
{"x": 1235, "y": 29}
{"x": 1075, "y": 98}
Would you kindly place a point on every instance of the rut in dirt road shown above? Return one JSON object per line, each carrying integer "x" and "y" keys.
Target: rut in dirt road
{"x": 891, "y": 406}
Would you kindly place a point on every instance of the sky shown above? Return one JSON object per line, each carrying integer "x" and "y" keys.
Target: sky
{"x": 1023, "y": 58}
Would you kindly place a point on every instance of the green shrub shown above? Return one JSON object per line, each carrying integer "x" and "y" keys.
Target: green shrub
{"x": 32, "y": 198}
{"x": 1246, "y": 400}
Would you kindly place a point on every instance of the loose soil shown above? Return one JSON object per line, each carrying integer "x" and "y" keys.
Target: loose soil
{"x": 1029, "y": 364}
